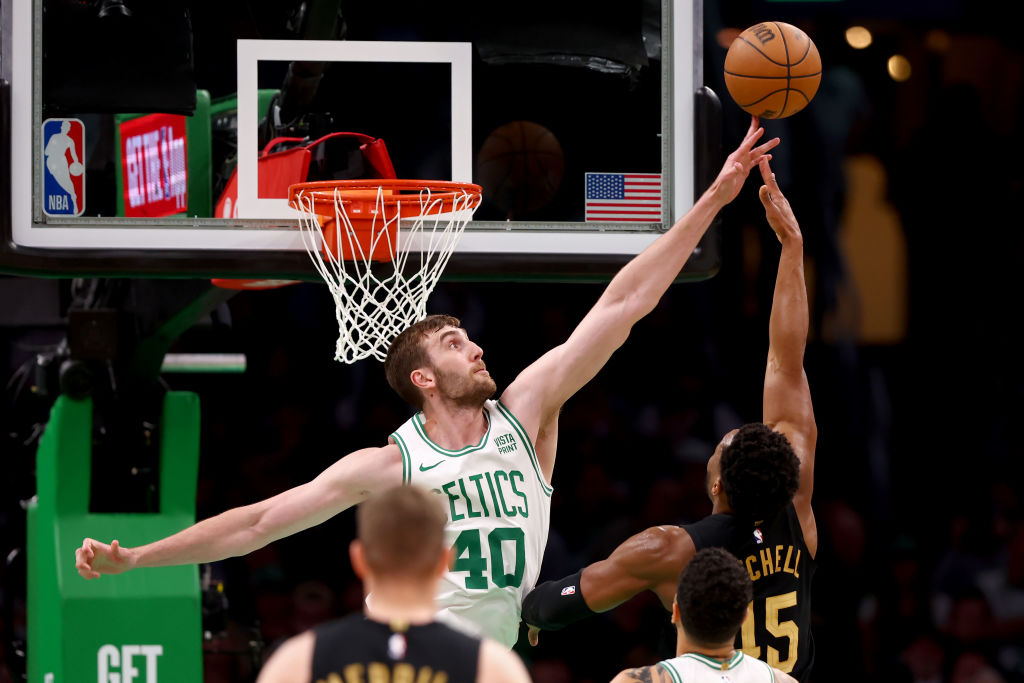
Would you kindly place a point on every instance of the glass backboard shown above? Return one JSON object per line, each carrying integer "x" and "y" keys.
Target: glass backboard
{"x": 142, "y": 135}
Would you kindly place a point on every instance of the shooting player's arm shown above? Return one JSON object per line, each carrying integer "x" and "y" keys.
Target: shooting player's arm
{"x": 787, "y": 395}
{"x": 539, "y": 391}
{"x": 241, "y": 530}
{"x": 651, "y": 560}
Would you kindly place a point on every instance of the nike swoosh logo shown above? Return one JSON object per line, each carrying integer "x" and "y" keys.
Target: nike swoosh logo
{"x": 424, "y": 469}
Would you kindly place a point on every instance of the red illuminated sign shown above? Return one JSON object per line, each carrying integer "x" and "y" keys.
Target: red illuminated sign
{"x": 154, "y": 165}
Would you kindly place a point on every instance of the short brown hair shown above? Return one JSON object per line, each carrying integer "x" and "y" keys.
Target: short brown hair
{"x": 760, "y": 472}
{"x": 406, "y": 353}
{"x": 402, "y": 531}
{"x": 713, "y": 594}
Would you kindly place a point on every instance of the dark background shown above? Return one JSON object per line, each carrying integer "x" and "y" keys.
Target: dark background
{"x": 918, "y": 482}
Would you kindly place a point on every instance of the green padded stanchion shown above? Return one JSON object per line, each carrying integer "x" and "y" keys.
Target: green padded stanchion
{"x": 143, "y": 626}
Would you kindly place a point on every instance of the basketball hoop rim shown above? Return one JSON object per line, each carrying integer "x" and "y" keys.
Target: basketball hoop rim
{"x": 334, "y": 190}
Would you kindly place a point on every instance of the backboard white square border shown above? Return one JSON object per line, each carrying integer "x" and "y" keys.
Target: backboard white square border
{"x": 252, "y": 52}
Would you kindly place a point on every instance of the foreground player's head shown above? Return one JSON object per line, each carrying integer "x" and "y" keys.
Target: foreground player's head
{"x": 435, "y": 358}
{"x": 400, "y": 536}
{"x": 754, "y": 472}
{"x": 712, "y": 597}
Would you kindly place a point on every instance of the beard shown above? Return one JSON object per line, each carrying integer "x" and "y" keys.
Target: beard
{"x": 465, "y": 390}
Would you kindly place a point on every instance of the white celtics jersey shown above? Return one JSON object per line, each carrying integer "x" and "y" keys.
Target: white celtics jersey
{"x": 695, "y": 668}
{"x": 498, "y": 511}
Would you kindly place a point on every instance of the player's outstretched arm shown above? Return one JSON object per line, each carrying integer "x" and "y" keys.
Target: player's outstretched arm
{"x": 651, "y": 560}
{"x": 787, "y": 395}
{"x": 644, "y": 674}
{"x": 498, "y": 665}
{"x": 241, "y": 530}
{"x": 542, "y": 388}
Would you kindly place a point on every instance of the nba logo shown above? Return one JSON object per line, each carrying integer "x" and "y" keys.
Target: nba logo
{"x": 63, "y": 167}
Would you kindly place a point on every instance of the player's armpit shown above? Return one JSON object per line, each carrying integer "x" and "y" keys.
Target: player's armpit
{"x": 644, "y": 674}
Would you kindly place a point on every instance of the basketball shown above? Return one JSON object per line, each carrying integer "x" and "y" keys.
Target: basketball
{"x": 520, "y": 167}
{"x": 772, "y": 70}
{"x": 76, "y": 168}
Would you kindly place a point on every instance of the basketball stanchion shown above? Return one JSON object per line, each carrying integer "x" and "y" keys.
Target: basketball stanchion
{"x": 381, "y": 246}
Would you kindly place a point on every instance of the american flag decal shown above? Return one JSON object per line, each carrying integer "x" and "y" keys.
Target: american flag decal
{"x": 632, "y": 197}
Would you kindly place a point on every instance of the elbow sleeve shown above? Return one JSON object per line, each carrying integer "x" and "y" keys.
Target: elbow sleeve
{"x": 556, "y": 604}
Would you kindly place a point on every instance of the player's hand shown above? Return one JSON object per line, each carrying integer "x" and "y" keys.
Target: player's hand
{"x": 737, "y": 166}
{"x": 776, "y": 207}
{"x": 533, "y": 635}
{"x": 94, "y": 559}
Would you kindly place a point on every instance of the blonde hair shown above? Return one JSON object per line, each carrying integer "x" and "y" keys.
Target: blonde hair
{"x": 402, "y": 531}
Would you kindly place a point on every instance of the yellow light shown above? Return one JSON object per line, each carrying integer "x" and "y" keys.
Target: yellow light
{"x": 858, "y": 37}
{"x": 899, "y": 68}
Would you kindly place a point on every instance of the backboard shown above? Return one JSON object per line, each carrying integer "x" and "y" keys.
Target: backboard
{"x": 135, "y": 131}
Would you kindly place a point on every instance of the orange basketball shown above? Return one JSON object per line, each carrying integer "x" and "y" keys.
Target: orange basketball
{"x": 772, "y": 70}
{"x": 520, "y": 166}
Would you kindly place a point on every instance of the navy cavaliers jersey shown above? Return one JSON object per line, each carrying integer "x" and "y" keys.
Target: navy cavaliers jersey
{"x": 357, "y": 648}
{"x": 777, "y": 629}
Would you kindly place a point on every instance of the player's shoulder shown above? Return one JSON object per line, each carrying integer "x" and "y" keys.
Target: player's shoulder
{"x": 771, "y": 672}
{"x": 715, "y": 530}
{"x": 499, "y": 664}
{"x": 292, "y": 660}
{"x": 644, "y": 674}
{"x": 340, "y": 628}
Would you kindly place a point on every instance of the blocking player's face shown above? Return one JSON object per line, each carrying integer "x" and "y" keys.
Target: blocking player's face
{"x": 459, "y": 370}
{"x": 714, "y": 478}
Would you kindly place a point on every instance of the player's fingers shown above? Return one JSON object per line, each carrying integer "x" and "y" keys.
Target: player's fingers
{"x": 768, "y": 176}
{"x": 765, "y": 195}
{"x": 115, "y": 549}
{"x": 751, "y": 138}
{"x": 86, "y": 550}
{"x": 765, "y": 147}
{"x": 755, "y": 123}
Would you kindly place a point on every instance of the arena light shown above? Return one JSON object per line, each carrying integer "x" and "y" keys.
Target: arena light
{"x": 899, "y": 68}
{"x": 937, "y": 40}
{"x": 858, "y": 37}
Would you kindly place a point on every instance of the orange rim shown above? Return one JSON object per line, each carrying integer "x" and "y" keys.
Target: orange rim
{"x": 354, "y": 194}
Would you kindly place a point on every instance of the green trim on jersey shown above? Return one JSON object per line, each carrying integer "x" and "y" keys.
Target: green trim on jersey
{"x": 406, "y": 460}
{"x": 444, "y": 451}
{"x": 529, "y": 445}
{"x": 716, "y": 663}
{"x": 676, "y": 676}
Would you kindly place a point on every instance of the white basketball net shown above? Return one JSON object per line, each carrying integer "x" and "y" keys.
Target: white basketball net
{"x": 374, "y": 307}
